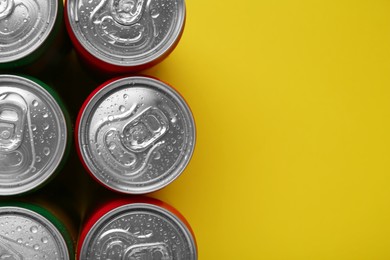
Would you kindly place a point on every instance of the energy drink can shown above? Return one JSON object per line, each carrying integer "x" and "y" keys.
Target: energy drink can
{"x": 137, "y": 229}
{"x": 28, "y": 30}
{"x": 32, "y": 232}
{"x": 135, "y": 135}
{"x": 34, "y": 134}
{"x": 119, "y": 36}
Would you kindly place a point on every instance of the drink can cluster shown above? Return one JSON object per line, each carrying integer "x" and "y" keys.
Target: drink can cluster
{"x": 133, "y": 134}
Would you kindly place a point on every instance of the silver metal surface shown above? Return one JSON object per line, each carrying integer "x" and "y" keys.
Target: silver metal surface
{"x": 136, "y": 135}
{"x": 139, "y": 231}
{"x": 127, "y": 32}
{"x": 33, "y": 135}
{"x": 24, "y": 26}
{"x": 26, "y": 235}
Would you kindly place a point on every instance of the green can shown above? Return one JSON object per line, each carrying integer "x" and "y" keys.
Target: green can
{"x": 29, "y": 30}
{"x": 34, "y": 134}
{"x": 28, "y": 231}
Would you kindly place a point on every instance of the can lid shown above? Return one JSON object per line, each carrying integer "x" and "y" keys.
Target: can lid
{"x": 127, "y": 32}
{"x": 24, "y": 234}
{"x": 33, "y": 135}
{"x": 24, "y": 26}
{"x": 139, "y": 231}
{"x": 136, "y": 135}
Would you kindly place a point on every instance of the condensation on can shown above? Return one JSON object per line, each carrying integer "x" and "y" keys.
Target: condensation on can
{"x": 29, "y": 231}
{"x": 34, "y": 134}
{"x": 135, "y": 135}
{"x": 136, "y": 228}
{"x": 121, "y": 36}
{"x": 29, "y": 30}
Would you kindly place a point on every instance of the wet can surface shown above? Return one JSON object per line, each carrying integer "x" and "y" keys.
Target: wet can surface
{"x": 28, "y": 29}
{"x": 137, "y": 229}
{"x": 135, "y": 135}
{"x": 31, "y": 232}
{"x": 118, "y": 36}
{"x": 33, "y": 134}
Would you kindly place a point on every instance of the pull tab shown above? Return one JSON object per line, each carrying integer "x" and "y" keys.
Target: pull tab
{"x": 13, "y": 112}
{"x": 6, "y": 8}
{"x": 148, "y": 251}
{"x": 127, "y": 12}
{"x": 141, "y": 132}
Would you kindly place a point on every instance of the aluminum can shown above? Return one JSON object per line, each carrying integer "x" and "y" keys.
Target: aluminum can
{"x": 136, "y": 229}
{"x": 28, "y": 29}
{"x": 32, "y": 232}
{"x": 135, "y": 134}
{"x": 33, "y": 134}
{"x": 119, "y": 36}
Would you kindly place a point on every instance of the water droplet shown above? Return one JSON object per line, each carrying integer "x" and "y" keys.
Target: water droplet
{"x": 35, "y": 103}
{"x": 19, "y": 240}
{"x": 19, "y": 228}
{"x": 45, "y": 115}
{"x": 170, "y": 148}
{"x": 112, "y": 146}
{"x": 110, "y": 118}
{"x": 125, "y": 96}
{"x": 45, "y": 126}
{"x": 34, "y": 127}
{"x": 154, "y": 13}
{"x": 38, "y": 158}
{"x": 44, "y": 240}
{"x": 36, "y": 247}
{"x": 122, "y": 108}
{"x": 34, "y": 229}
{"x": 46, "y": 151}
{"x": 174, "y": 119}
{"x": 157, "y": 155}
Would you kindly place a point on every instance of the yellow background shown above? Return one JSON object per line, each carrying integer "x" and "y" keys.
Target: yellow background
{"x": 292, "y": 105}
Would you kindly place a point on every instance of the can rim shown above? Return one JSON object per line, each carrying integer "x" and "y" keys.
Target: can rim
{"x": 60, "y": 240}
{"x": 97, "y": 95}
{"x": 47, "y": 31}
{"x": 176, "y": 33}
{"x": 60, "y": 153}
{"x": 162, "y": 212}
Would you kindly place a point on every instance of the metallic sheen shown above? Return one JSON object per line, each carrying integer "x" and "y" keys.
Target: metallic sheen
{"x": 24, "y": 26}
{"x": 26, "y": 235}
{"x": 136, "y": 135}
{"x": 33, "y": 135}
{"x": 127, "y": 32}
{"x": 139, "y": 231}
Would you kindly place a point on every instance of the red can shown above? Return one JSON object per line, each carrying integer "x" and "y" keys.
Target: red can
{"x": 137, "y": 228}
{"x": 120, "y": 36}
{"x": 135, "y": 135}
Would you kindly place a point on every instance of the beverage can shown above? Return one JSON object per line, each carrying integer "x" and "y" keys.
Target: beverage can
{"x": 119, "y": 36}
{"x": 34, "y": 134}
{"x": 28, "y": 30}
{"x": 31, "y": 232}
{"x": 135, "y": 134}
{"x": 136, "y": 229}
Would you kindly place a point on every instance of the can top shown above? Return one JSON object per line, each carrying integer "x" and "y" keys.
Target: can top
{"x": 24, "y": 26}
{"x": 25, "y": 234}
{"x": 139, "y": 231}
{"x": 127, "y": 32}
{"x": 33, "y": 135}
{"x": 136, "y": 135}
